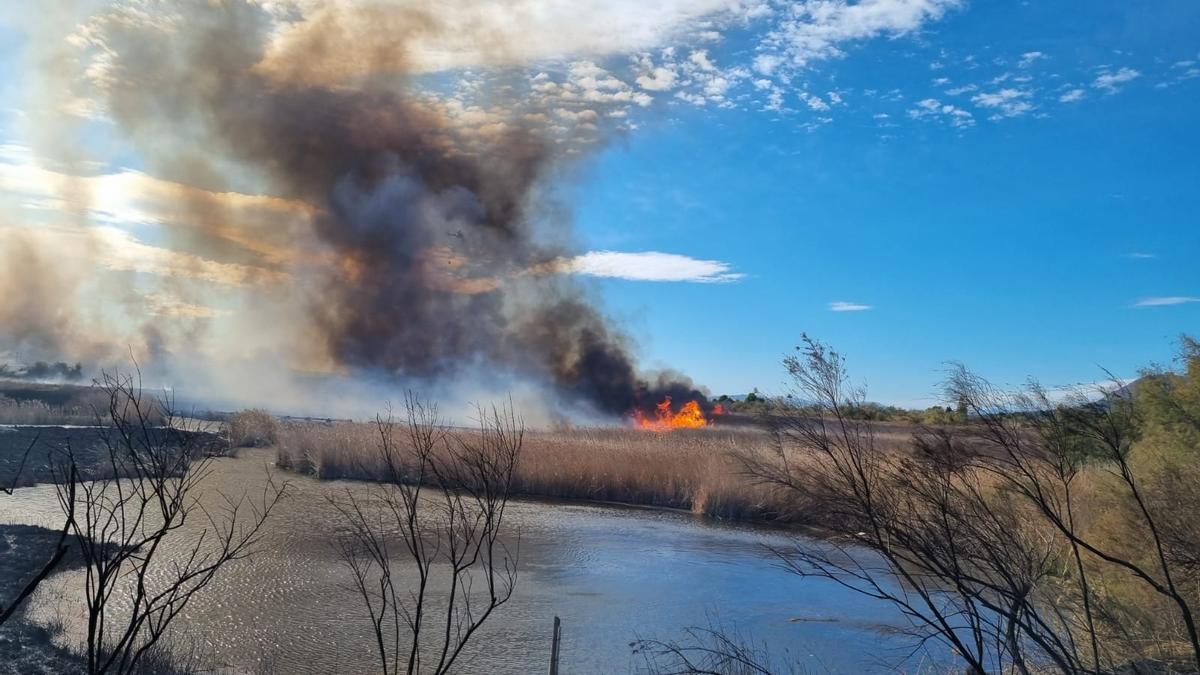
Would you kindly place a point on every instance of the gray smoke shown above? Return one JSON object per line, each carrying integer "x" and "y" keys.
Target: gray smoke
{"x": 438, "y": 249}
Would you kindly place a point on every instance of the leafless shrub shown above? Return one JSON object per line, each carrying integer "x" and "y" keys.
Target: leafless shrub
{"x": 977, "y": 535}
{"x": 444, "y": 501}
{"x": 1174, "y": 499}
{"x": 1040, "y": 448}
{"x": 713, "y": 649}
{"x": 135, "y": 587}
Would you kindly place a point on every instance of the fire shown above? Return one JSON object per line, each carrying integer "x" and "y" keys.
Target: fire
{"x": 689, "y": 416}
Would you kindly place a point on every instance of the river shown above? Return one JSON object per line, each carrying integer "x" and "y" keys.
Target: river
{"x": 612, "y": 574}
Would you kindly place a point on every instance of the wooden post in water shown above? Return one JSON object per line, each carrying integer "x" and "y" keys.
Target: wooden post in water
{"x": 554, "y": 647}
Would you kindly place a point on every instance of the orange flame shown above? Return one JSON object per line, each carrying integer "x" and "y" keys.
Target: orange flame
{"x": 689, "y": 417}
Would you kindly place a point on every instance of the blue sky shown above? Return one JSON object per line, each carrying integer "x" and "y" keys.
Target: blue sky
{"x": 1010, "y": 185}
{"x": 1018, "y": 245}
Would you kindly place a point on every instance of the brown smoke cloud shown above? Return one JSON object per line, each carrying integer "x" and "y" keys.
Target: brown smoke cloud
{"x": 418, "y": 246}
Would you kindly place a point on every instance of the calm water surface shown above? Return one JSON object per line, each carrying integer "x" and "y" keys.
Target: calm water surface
{"x": 611, "y": 574}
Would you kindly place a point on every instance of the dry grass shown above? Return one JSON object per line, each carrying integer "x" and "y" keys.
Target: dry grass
{"x": 253, "y": 428}
{"x": 696, "y": 470}
{"x": 1141, "y": 621}
{"x": 14, "y": 411}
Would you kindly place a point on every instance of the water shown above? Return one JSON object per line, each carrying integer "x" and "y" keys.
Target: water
{"x": 611, "y": 574}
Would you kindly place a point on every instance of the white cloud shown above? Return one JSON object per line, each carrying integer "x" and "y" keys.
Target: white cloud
{"x": 1140, "y": 255}
{"x": 815, "y": 29}
{"x": 1029, "y": 58}
{"x": 1006, "y": 102}
{"x": 765, "y": 64}
{"x": 697, "y": 79}
{"x": 531, "y": 31}
{"x": 587, "y": 84}
{"x": 700, "y": 58}
{"x": 1071, "y": 96}
{"x": 1180, "y": 71}
{"x": 1163, "y": 301}
{"x": 651, "y": 266}
{"x": 466, "y": 37}
{"x": 925, "y": 107}
{"x": 932, "y": 108}
{"x": 657, "y": 79}
{"x": 1111, "y": 81}
{"x": 774, "y": 100}
{"x": 842, "y": 306}
{"x": 716, "y": 87}
{"x": 813, "y": 102}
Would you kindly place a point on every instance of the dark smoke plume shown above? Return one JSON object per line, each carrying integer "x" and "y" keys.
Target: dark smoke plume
{"x": 437, "y": 255}
{"x": 41, "y": 370}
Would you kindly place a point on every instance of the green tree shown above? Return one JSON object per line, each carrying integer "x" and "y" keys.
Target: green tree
{"x": 1170, "y": 405}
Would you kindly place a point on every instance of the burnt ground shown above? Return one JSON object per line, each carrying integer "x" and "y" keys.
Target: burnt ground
{"x": 47, "y": 446}
{"x": 49, "y": 442}
{"x": 25, "y": 647}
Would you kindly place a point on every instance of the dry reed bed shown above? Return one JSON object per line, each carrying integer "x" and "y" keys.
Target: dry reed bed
{"x": 39, "y": 412}
{"x": 692, "y": 469}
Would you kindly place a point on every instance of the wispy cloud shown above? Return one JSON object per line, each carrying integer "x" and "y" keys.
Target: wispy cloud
{"x": 1111, "y": 81}
{"x": 595, "y": 62}
{"x": 1141, "y": 255}
{"x": 842, "y": 306}
{"x": 532, "y": 32}
{"x": 1071, "y": 96}
{"x": 814, "y": 31}
{"x": 1007, "y": 102}
{"x": 932, "y": 108}
{"x": 651, "y": 266}
{"x": 795, "y": 38}
{"x": 1030, "y": 58}
{"x": 663, "y": 40}
{"x": 1166, "y": 300}
{"x": 1180, "y": 71}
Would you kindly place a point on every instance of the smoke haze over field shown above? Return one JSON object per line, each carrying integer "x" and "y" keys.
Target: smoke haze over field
{"x": 408, "y": 237}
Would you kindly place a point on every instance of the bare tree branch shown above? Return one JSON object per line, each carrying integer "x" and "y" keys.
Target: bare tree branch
{"x": 445, "y": 502}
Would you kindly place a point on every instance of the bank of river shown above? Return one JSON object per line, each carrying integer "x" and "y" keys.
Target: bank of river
{"x": 611, "y": 573}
